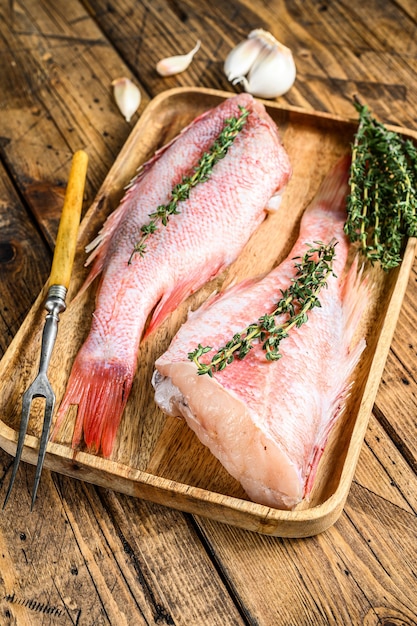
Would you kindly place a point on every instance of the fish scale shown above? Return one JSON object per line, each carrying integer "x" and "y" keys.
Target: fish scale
{"x": 268, "y": 421}
{"x": 208, "y": 234}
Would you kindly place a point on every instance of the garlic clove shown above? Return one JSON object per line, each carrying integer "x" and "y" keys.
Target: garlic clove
{"x": 272, "y": 74}
{"x": 241, "y": 58}
{"x": 127, "y": 96}
{"x": 176, "y": 64}
{"x": 263, "y": 65}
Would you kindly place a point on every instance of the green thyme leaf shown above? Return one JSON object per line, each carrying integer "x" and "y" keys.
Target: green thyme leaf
{"x": 200, "y": 174}
{"x": 382, "y": 202}
{"x": 312, "y": 272}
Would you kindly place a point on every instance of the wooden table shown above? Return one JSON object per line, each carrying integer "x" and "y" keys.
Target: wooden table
{"x": 87, "y": 555}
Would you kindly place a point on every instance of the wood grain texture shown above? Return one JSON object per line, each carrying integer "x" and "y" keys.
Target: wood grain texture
{"x": 57, "y": 61}
{"x": 105, "y": 559}
{"x": 158, "y": 459}
{"x": 24, "y": 261}
{"x": 359, "y": 560}
{"x": 57, "y": 98}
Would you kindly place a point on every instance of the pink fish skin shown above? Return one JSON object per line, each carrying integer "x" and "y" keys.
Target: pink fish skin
{"x": 268, "y": 422}
{"x": 197, "y": 244}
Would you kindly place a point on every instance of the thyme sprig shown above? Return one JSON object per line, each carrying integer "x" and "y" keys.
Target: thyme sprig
{"x": 200, "y": 174}
{"x": 382, "y": 202}
{"x": 295, "y": 303}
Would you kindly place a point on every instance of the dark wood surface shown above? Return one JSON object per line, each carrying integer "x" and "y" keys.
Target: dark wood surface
{"x": 87, "y": 555}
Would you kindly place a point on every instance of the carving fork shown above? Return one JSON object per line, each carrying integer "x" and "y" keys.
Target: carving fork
{"x": 55, "y": 304}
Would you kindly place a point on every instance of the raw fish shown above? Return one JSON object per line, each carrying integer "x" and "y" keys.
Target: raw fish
{"x": 268, "y": 422}
{"x": 211, "y": 229}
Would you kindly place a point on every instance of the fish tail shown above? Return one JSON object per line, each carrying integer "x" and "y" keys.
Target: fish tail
{"x": 101, "y": 391}
{"x": 334, "y": 189}
{"x": 355, "y": 292}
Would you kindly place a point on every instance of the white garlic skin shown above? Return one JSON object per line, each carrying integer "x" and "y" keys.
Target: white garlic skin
{"x": 241, "y": 58}
{"x": 176, "y": 64}
{"x": 264, "y": 66}
{"x": 127, "y": 97}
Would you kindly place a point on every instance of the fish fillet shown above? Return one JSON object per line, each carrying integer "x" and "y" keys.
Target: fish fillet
{"x": 211, "y": 229}
{"x": 268, "y": 422}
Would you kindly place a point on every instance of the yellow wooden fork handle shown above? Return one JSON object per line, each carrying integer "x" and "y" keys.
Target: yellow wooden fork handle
{"x": 66, "y": 240}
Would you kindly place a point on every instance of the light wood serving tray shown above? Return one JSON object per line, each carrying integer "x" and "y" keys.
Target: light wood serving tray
{"x": 159, "y": 458}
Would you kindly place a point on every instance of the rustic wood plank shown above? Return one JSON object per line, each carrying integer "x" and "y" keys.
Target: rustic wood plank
{"x": 383, "y": 470}
{"x": 47, "y": 578}
{"x": 406, "y": 350}
{"x": 97, "y": 557}
{"x": 158, "y": 548}
{"x": 359, "y": 571}
{"x": 61, "y": 68}
{"x": 398, "y": 397}
{"x": 344, "y": 48}
{"x": 144, "y": 33}
{"x": 24, "y": 261}
{"x": 396, "y": 402}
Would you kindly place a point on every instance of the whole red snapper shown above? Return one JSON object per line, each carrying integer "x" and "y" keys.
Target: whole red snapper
{"x": 207, "y": 235}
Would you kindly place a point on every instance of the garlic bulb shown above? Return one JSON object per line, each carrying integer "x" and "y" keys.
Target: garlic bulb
{"x": 127, "y": 97}
{"x": 262, "y": 64}
{"x": 176, "y": 64}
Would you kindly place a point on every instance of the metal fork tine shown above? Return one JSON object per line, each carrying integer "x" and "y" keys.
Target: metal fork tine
{"x": 49, "y": 411}
{"x": 27, "y": 400}
{"x": 41, "y": 387}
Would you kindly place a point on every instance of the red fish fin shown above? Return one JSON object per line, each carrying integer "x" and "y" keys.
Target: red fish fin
{"x": 95, "y": 271}
{"x": 101, "y": 393}
{"x": 356, "y": 292}
{"x": 333, "y": 191}
{"x": 169, "y": 303}
{"x": 355, "y": 296}
{"x": 319, "y": 448}
{"x": 99, "y": 246}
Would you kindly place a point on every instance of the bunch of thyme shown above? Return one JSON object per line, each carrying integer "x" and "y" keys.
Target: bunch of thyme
{"x": 382, "y": 202}
{"x": 200, "y": 174}
{"x": 296, "y": 301}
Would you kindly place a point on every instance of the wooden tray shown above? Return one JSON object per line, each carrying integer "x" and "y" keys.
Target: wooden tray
{"x": 159, "y": 458}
